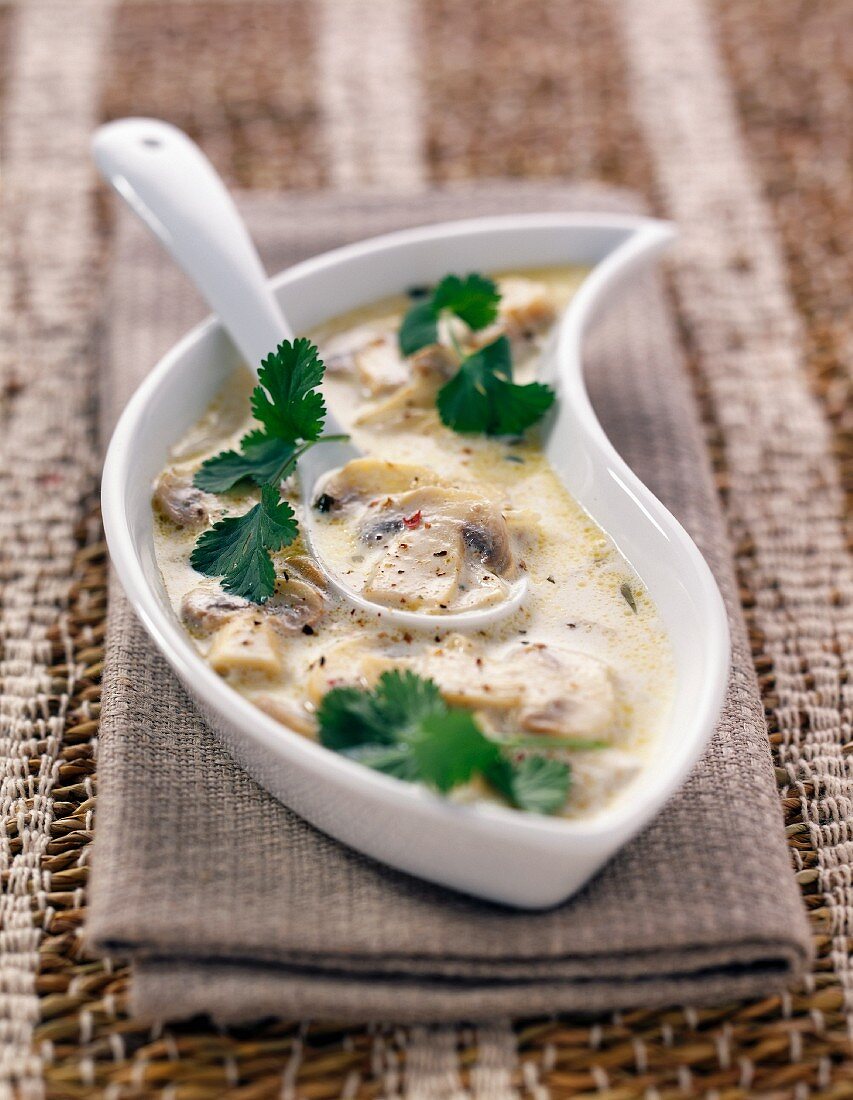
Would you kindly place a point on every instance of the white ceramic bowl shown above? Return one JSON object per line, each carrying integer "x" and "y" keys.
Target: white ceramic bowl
{"x": 507, "y": 856}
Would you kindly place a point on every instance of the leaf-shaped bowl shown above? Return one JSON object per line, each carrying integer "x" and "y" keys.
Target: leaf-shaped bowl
{"x": 501, "y": 854}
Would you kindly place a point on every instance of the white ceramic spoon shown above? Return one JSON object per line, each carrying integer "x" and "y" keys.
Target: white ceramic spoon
{"x": 166, "y": 179}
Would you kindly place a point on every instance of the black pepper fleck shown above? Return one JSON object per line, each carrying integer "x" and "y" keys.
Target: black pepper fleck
{"x": 324, "y": 503}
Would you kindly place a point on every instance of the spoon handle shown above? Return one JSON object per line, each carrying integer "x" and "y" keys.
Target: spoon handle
{"x": 167, "y": 180}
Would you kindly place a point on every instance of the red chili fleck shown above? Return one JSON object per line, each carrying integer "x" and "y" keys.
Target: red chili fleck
{"x": 413, "y": 521}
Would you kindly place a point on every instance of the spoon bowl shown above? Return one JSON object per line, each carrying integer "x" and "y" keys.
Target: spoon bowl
{"x": 417, "y": 620}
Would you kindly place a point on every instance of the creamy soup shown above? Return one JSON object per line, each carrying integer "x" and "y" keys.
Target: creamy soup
{"x": 441, "y": 523}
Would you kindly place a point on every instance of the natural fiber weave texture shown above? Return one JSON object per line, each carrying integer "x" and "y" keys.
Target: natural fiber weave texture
{"x": 232, "y": 905}
{"x": 524, "y": 88}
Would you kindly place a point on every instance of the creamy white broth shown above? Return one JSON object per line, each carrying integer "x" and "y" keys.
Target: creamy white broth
{"x": 575, "y": 626}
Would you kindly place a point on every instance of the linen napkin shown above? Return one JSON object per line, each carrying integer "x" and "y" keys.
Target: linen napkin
{"x": 230, "y": 904}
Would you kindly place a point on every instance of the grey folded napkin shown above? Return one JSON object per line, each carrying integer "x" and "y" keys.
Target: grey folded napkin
{"x": 230, "y": 904}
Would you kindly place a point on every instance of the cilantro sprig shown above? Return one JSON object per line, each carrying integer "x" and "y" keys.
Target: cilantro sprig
{"x": 291, "y": 412}
{"x": 482, "y": 396}
{"x": 261, "y": 459}
{"x": 473, "y": 300}
{"x": 238, "y": 547}
{"x": 404, "y": 728}
{"x": 287, "y": 401}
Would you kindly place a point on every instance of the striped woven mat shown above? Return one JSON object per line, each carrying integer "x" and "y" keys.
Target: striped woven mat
{"x": 732, "y": 116}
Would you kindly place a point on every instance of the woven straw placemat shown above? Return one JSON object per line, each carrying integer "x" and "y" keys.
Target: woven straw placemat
{"x": 731, "y": 115}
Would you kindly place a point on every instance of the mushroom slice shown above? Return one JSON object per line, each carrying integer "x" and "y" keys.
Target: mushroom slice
{"x": 480, "y": 588}
{"x": 299, "y": 600}
{"x": 380, "y": 366}
{"x": 419, "y": 569}
{"x": 339, "y": 351}
{"x": 442, "y": 547}
{"x": 306, "y": 569}
{"x": 295, "y": 606}
{"x": 204, "y": 610}
{"x": 430, "y": 369}
{"x": 486, "y": 537}
{"x": 526, "y": 306}
{"x": 350, "y": 663}
{"x": 548, "y": 689}
{"x": 411, "y": 400}
{"x": 176, "y": 498}
{"x": 434, "y": 362}
{"x": 568, "y": 693}
{"x": 247, "y": 643}
{"x": 468, "y": 679}
{"x": 526, "y": 310}
{"x": 364, "y": 478}
{"x": 290, "y": 714}
{"x": 481, "y": 525}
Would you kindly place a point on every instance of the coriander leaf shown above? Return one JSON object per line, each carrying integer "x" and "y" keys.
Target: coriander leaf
{"x": 436, "y": 744}
{"x": 450, "y": 749}
{"x": 481, "y": 396}
{"x": 238, "y": 548}
{"x": 499, "y": 775}
{"x": 419, "y": 328}
{"x": 405, "y": 729}
{"x": 262, "y": 459}
{"x": 467, "y": 402}
{"x": 521, "y": 406}
{"x": 474, "y": 299}
{"x": 349, "y": 717}
{"x": 405, "y": 698}
{"x": 539, "y": 784}
{"x": 396, "y": 760}
{"x": 518, "y": 407}
{"x": 287, "y": 402}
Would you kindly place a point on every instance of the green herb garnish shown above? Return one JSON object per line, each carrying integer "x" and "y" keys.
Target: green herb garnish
{"x": 482, "y": 397}
{"x": 287, "y": 401}
{"x": 261, "y": 459}
{"x": 238, "y": 548}
{"x": 473, "y": 300}
{"x": 540, "y": 784}
{"x": 627, "y": 594}
{"x": 404, "y": 728}
{"x": 291, "y": 410}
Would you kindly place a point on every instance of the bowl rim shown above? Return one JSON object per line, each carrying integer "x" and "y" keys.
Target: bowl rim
{"x": 620, "y": 819}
